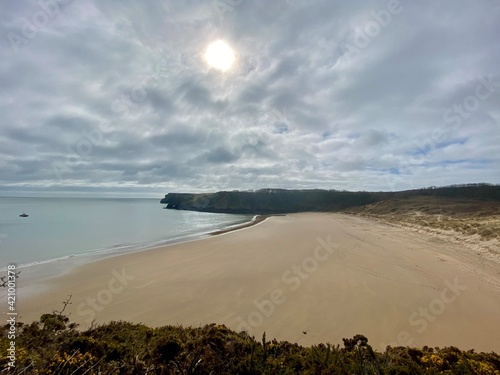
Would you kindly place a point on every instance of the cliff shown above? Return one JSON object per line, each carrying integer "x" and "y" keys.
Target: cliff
{"x": 267, "y": 201}
{"x": 276, "y": 201}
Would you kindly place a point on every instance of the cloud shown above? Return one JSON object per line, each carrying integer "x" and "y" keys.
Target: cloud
{"x": 324, "y": 94}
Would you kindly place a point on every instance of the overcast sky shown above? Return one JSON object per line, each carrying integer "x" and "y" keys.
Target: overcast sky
{"x": 116, "y": 97}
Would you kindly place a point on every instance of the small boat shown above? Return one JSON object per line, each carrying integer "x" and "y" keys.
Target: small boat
{"x": 24, "y": 215}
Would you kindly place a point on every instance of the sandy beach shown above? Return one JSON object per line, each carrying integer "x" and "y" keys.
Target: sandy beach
{"x": 306, "y": 278}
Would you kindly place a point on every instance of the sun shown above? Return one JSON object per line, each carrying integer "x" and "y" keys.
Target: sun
{"x": 219, "y": 55}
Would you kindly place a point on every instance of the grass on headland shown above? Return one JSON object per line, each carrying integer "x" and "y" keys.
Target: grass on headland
{"x": 463, "y": 217}
{"x": 53, "y": 345}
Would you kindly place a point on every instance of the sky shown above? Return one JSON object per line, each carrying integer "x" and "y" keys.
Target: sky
{"x": 116, "y": 97}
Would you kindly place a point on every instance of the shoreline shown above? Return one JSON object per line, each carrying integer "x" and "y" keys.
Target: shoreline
{"x": 133, "y": 248}
{"x": 256, "y": 220}
{"x": 357, "y": 276}
{"x": 38, "y": 273}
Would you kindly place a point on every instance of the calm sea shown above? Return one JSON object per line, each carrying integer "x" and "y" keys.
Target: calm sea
{"x": 62, "y": 228}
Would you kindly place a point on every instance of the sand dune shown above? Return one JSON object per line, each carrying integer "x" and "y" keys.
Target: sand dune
{"x": 307, "y": 278}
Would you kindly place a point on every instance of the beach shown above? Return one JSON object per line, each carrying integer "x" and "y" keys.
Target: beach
{"x": 306, "y": 278}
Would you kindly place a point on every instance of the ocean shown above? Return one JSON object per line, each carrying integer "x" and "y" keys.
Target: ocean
{"x": 61, "y": 228}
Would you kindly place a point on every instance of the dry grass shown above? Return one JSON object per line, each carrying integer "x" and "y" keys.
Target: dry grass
{"x": 460, "y": 220}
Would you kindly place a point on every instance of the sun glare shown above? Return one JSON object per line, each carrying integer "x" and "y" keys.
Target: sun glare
{"x": 219, "y": 55}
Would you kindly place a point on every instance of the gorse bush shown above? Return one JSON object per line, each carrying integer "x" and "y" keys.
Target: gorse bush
{"x": 53, "y": 345}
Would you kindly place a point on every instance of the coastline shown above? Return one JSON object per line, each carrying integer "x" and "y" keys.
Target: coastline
{"x": 256, "y": 220}
{"x": 53, "y": 233}
{"x": 357, "y": 276}
{"x": 36, "y": 274}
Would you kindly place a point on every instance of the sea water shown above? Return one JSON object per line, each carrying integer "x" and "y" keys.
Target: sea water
{"x": 61, "y": 228}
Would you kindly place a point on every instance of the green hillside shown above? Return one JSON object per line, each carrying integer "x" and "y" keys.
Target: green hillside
{"x": 275, "y": 201}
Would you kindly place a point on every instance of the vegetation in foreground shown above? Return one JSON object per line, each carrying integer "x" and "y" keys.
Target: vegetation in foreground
{"x": 53, "y": 345}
